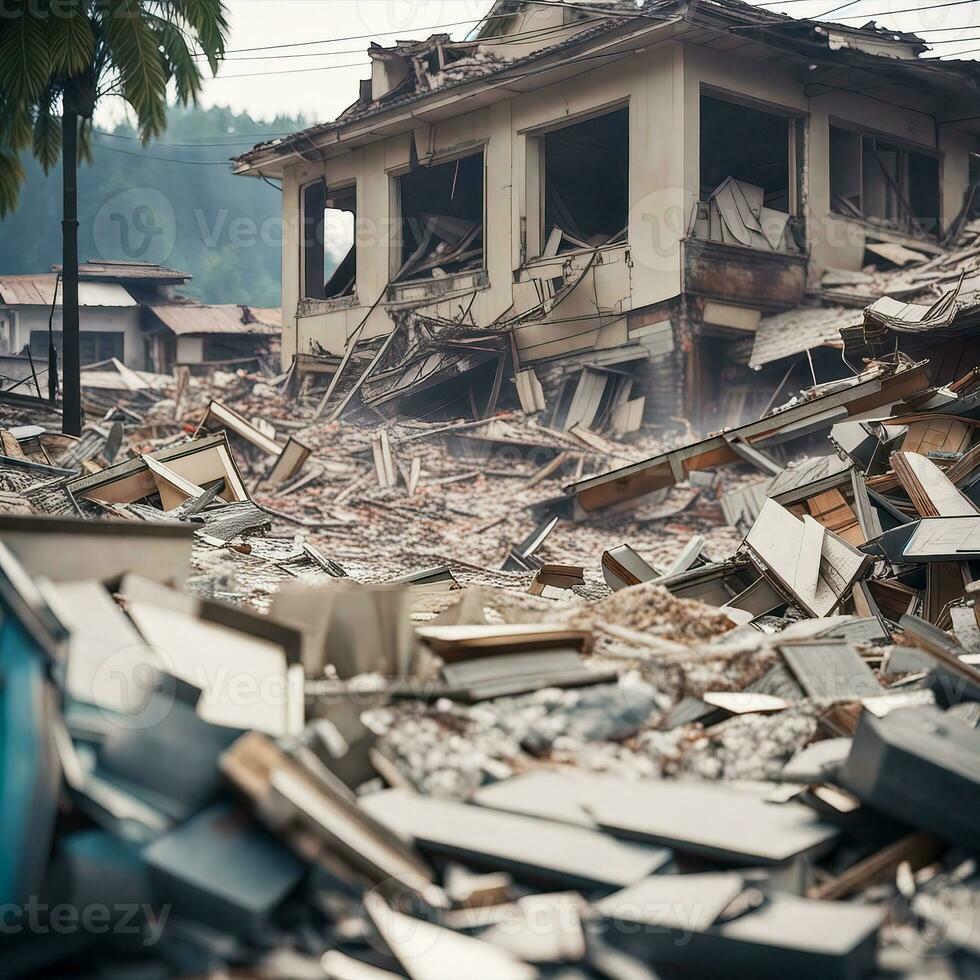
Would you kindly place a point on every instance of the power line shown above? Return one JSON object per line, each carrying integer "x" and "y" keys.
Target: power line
{"x": 834, "y": 10}
{"x": 290, "y": 71}
{"x": 245, "y": 139}
{"x": 861, "y": 16}
{"x": 350, "y": 37}
{"x": 908, "y": 10}
{"x": 542, "y": 32}
{"x": 148, "y": 156}
{"x": 504, "y": 39}
{"x": 611, "y": 57}
{"x": 956, "y": 54}
{"x": 937, "y": 30}
{"x": 607, "y": 56}
{"x": 599, "y": 11}
{"x": 510, "y": 79}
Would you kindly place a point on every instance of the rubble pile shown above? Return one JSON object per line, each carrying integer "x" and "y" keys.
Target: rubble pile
{"x": 290, "y": 697}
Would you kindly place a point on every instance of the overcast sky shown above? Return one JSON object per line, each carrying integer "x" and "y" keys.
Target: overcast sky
{"x": 280, "y": 80}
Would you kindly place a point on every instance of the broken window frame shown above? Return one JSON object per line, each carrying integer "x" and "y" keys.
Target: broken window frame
{"x": 797, "y": 123}
{"x": 398, "y": 260}
{"x": 536, "y": 189}
{"x": 313, "y": 243}
{"x": 912, "y": 224}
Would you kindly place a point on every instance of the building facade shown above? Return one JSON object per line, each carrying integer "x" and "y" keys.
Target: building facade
{"x": 612, "y": 200}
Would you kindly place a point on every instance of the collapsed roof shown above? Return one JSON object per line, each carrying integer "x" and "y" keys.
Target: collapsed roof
{"x": 492, "y": 67}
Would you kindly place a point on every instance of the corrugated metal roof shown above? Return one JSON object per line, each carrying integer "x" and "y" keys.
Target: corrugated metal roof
{"x": 799, "y": 330}
{"x": 119, "y": 270}
{"x": 189, "y": 318}
{"x": 40, "y": 291}
{"x": 271, "y": 316}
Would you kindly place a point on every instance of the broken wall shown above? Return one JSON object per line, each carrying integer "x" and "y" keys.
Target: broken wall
{"x": 123, "y": 322}
{"x": 507, "y": 132}
{"x": 662, "y": 89}
{"x": 836, "y": 240}
{"x": 705, "y": 73}
{"x": 533, "y": 28}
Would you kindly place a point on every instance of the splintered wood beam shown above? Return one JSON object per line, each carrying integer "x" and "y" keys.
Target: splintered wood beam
{"x": 356, "y": 387}
{"x": 351, "y": 344}
{"x": 918, "y": 849}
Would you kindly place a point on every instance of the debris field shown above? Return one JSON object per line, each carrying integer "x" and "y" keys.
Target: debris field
{"x": 289, "y": 697}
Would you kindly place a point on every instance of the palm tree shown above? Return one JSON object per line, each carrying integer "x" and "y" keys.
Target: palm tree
{"x": 65, "y": 56}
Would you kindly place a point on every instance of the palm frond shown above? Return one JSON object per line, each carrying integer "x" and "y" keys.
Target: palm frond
{"x": 180, "y": 63}
{"x": 47, "y": 137}
{"x": 24, "y": 59}
{"x": 208, "y": 21}
{"x": 135, "y": 54}
{"x": 71, "y": 42}
{"x": 16, "y": 127}
{"x": 11, "y": 177}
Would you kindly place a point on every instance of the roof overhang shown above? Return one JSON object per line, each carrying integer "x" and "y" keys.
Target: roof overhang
{"x": 620, "y": 39}
{"x": 826, "y": 56}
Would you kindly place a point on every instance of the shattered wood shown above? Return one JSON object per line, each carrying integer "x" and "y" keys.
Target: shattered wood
{"x": 432, "y": 622}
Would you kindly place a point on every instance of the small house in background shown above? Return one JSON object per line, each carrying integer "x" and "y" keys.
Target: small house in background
{"x": 109, "y": 320}
{"x": 130, "y": 311}
{"x": 199, "y": 336}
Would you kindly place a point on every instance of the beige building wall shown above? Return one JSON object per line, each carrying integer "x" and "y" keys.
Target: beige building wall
{"x": 652, "y": 87}
{"x": 122, "y": 320}
{"x": 662, "y": 87}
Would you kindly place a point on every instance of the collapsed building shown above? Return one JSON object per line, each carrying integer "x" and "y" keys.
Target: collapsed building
{"x": 285, "y": 696}
{"x": 631, "y": 214}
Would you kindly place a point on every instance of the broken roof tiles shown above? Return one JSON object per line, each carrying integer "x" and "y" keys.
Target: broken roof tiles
{"x": 416, "y": 70}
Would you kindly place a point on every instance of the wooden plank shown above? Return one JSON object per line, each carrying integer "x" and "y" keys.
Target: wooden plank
{"x": 376, "y": 360}
{"x": 835, "y": 513}
{"x": 656, "y": 473}
{"x": 878, "y": 868}
{"x": 930, "y": 490}
{"x": 221, "y": 416}
{"x": 937, "y": 433}
{"x": 345, "y": 360}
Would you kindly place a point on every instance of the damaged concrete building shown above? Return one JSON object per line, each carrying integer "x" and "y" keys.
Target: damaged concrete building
{"x": 631, "y": 213}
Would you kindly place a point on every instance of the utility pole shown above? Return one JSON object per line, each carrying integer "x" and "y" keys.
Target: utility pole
{"x": 70, "y": 356}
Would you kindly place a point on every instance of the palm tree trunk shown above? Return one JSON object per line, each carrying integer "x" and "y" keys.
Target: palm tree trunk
{"x": 70, "y": 358}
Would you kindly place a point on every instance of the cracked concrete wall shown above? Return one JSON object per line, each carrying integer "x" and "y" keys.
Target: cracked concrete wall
{"x": 650, "y": 85}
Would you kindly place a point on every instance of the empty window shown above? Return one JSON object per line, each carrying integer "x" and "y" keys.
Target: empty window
{"x": 749, "y": 177}
{"x": 441, "y": 219}
{"x": 586, "y": 183}
{"x": 94, "y": 345}
{"x": 871, "y": 177}
{"x": 329, "y": 249}
{"x": 750, "y": 145}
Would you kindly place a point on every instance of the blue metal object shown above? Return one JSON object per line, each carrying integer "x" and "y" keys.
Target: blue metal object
{"x": 28, "y": 770}
{"x": 30, "y": 775}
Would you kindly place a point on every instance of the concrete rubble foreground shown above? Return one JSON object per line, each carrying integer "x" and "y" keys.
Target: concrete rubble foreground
{"x": 290, "y": 697}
